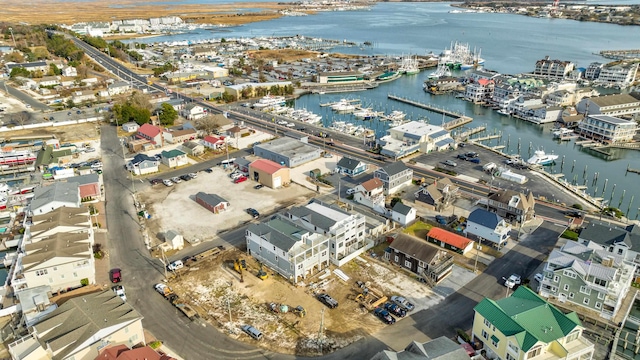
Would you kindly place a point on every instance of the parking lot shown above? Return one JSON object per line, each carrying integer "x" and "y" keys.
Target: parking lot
{"x": 174, "y": 207}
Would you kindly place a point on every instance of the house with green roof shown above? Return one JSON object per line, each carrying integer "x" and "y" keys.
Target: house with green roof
{"x": 174, "y": 158}
{"x": 525, "y": 326}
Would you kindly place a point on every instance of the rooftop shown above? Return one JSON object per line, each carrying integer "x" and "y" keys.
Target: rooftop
{"x": 211, "y": 199}
{"x": 267, "y": 166}
{"x": 394, "y": 168}
{"x": 611, "y": 120}
{"x": 418, "y": 128}
{"x": 613, "y": 100}
{"x": 447, "y": 237}
{"x": 287, "y": 146}
{"x": 66, "y": 192}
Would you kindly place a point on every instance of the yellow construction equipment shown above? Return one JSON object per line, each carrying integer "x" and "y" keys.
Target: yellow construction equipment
{"x": 238, "y": 266}
{"x": 262, "y": 274}
{"x": 300, "y": 311}
{"x": 370, "y": 298}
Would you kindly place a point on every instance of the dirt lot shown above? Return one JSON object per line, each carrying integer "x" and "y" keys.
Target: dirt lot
{"x": 174, "y": 208}
{"x": 69, "y": 133}
{"x": 282, "y": 55}
{"x": 215, "y": 289}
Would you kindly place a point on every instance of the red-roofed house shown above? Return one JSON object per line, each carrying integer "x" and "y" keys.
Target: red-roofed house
{"x": 213, "y": 142}
{"x": 269, "y": 173}
{"x": 89, "y": 185}
{"x": 449, "y": 240}
{"x": 479, "y": 91}
{"x": 122, "y": 352}
{"x": 151, "y": 133}
{"x": 371, "y": 194}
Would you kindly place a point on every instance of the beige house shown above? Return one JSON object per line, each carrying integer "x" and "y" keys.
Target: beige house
{"x": 269, "y": 173}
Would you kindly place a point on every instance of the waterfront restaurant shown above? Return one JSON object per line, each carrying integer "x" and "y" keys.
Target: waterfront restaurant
{"x": 608, "y": 129}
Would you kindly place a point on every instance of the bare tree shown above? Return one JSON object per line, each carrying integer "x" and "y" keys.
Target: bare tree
{"x": 209, "y": 124}
{"x": 21, "y": 117}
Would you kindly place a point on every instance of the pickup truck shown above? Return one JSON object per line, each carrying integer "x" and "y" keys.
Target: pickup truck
{"x": 119, "y": 290}
{"x": 175, "y": 300}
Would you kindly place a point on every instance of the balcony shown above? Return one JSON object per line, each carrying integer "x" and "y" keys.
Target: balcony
{"x": 575, "y": 349}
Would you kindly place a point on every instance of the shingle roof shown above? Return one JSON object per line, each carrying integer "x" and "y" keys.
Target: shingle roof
{"x": 485, "y": 218}
{"x": 267, "y": 166}
{"x": 402, "y": 208}
{"x": 81, "y": 318}
{"x": 280, "y": 232}
{"x": 414, "y": 247}
{"x": 84, "y": 179}
{"x": 211, "y": 199}
{"x": 139, "y": 158}
{"x": 149, "y": 130}
{"x": 371, "y": 184}
{"x": 613, "y": 99}
{"x": 60, "y": 245}
{"x": 527, "y": 317}
{"x": 608, "y": 234}
{"x": 348, "y": 163}
{"x": 447, "y": 237}
{"x": 171, "y": 153}
{"x": 394, "y": 168}
{"x": 59, "y": 191}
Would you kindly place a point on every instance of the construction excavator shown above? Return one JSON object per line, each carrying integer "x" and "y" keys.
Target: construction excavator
{"x": 262, "y": 274}
{"x": 238, "y": 266}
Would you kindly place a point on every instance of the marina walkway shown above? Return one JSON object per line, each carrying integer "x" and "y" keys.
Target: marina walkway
{"x": 459, "y": 120}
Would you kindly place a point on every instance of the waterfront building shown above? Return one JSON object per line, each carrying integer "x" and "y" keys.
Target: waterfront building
{"x": 593, "y": 71}
{"x": 504, "y": 94}
{"x": 618, "y": 240}
{"x": 287, "y": 151}
{"x": 512, "y": 205}
{"x": 593, "y": 281}
{"x": 569, "y": 97}
{"x": 542, "y": 114}
{"x": 607, "y": 129}
{"x": 480, "y": 91}
{"x": 525, "y": 326}
{"x": 340, "y": 77}
{"x": 394, "y": 177}
{"x": 626, "y": 344}
{"x": 289, "y": 249}
{"x": 415, "y": 136}
{"x": 612, "y": 105}
{"x": 346, "y": 231}
{"x": 554, "y": 69}
{"x": 620, "y": 75}
{"x": 477, "y": 75}
{"x": 249, "y": 88}
{"x": 523, "y": 104}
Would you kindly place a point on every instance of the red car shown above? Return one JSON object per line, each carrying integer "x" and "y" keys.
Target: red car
{"x": 115, "y": 275}
{"x": 240, "y": 179}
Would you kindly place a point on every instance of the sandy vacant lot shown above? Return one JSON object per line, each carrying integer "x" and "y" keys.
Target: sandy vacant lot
{"x": 174, "y": 208}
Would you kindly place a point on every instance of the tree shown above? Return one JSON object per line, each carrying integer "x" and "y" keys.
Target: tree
{"x": 19, "y": 71}
{"x": 14, "y": 56}
{"x": 141, "y": 101}
{"x": 395, "y": 200}
{"x": 125, "y": 112}
{"x": 208, "y": 124}
{"x": 21, "y": 117}
{"x": 54, "y": 70}
{"x": 168, "y": 114}
{"x": 70, "y": 103}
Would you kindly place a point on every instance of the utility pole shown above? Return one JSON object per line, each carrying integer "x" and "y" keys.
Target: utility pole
{"x": 475, "y": 266}
{"x": 164, "y": 263}
{"x": 229, "y": 309}
{"x": 12, "y": 37}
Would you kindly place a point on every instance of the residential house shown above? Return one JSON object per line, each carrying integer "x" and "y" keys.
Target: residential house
{"x": 237, "y": 90}
{"x": 420, "y": 257}
{"x": 608, "y": 129}
{"x": 80, "y": 328}
{"x": 612, "y": 105}
{"x": 213, "y": 142}
{"x": 61, "y": 220}
{"x": 555, "y": 69}
{"x": 619, "y": 75}
{"x": 212, "y": 202}
{"x": 351, "y": 167}
{"x": 525, "y": 326}
{"x": 593, "y": 71}
{"x": 174, "y": 239}
{"x": 449, "y": 240}
{"x": 403, "y": 214}
{"x": 543, "y": 114}
{"x": 441, "y": 348}
{"x": 394, "y": 177}
{"x": 34, "y": 304}
{"x": 50, "y": 157}
{"x": 122, "y": 352}
{"x": 193, "y": 111}
{"x": 50, "y": 197}
{"x": 484, "y": 225}
{"x": 118, "y": 87}
{"x": 512, "y": 205}
{"x": 480, "y": 91}
{"x": 626, "y": 343}
{"x": 523, "y": 104}
{"x": 30, "y": 66}
{"x": 151, "y": 133}
{"x": 415, "y": 136}
{"x": 89, "y": 186}
{"x": 142, "y": 164}
{"x": 69, "y": 71}
{"x": 346, "y": 231}
{"x": 179, "y": 136}
{"x": 371, "y": 194}
{"x": 173, "y": 158}
{"x": 287, "y": 151}
{"x": 437, "y": 196}
{"x": 79, "y": 97}
{"x": 291, "y": 250}
{"x": 618, "y": 240}
{"x": 269, "y": 173}
{"x": 593, "y": 281}
{"x": 504, "y": 94}
{"x": 192, "y": 148}
{"x": 176, "y": 104}
{"x": 130, "y": 127}
{"x": 49, "y": 81}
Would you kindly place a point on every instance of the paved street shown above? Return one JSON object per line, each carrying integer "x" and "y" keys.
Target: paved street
{"x": 35, "y": 104}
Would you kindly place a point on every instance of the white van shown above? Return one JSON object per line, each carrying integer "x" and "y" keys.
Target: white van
{"x": 175, "y": 265}
{"x": 253, "y": 332}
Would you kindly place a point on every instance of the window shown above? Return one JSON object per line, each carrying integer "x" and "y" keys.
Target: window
{"x": 556, "y": 278}
{"x": 300, "y": 267}
{"x": 566, "y": 287}
{"x": 397, "y": 258}
{"x": 569, "y": 273}
{"x": 493, "y": 342}
{"x": 487, "y": 323}
{"x": 509, "y": 357}
{"x": 513, "y": 347}
{"x": 585, "y": 290}
{"x": 585, "y": 301}
{"x": 570, "y": 295}
{"x": 485, "y": 334}
{"x": 619, "y": 251}
{"x": 407, "y": 264}
{"x": 600, "y": 282}
{"x": 41, "y": 272}
{"x": 274, "y": 248}
{"x": 534, "y": 352}
{"x": 574, "y": 335}
{"x": 601, "y": 296}
{"x": 598, "y": 305}
{"x": 276, "y": 258}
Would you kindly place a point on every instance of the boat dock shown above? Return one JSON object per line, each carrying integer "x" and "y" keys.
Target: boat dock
{"x": 488, "y": 137}
{"x": 457, "y": 122}
{"x": 632, "y": 170}
{"x": 465, "y": 135}
{"x": 620, "y": 54}
{"x": 434, "y": 109}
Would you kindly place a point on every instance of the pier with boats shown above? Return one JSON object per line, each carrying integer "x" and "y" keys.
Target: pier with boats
{"x": 460, "y": 119}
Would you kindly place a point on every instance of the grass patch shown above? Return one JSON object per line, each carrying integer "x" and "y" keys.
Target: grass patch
{"x": 418, "y": 229}
{"x": 569, "y": 234}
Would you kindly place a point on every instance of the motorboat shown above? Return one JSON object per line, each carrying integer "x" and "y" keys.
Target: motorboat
{"x": 541, "y": 158}
{"x": 269, "y": 101}
{"x": 562, "y": 133}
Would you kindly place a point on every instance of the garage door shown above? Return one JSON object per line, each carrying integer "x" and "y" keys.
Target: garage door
{"x": 277, "y": 182}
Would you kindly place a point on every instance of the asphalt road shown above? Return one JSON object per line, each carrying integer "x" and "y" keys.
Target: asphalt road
{"x": 197, "y": 340}
{"x": 35, "y": 104}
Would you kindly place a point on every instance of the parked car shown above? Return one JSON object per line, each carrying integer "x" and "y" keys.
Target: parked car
{"x": 115, "y": 275}
{"x": 208, "y": 170}
{"x": 176, "y": 265}
{"x": 89, "y": 150}
{"x": 461, "y": 157}
{"x": 395, "y": 309}
{"x": 471, "y": 154}
{"x": 384, "y": 316}
{"x": 155, "y": 181}
{"x": 119, "y": 290}
{"x": 475, "y": 160}
{"x": 236, "y": 174}
{"x": 328, "y": 300}
{"x": 512, "y": 281}
{"x": 258, "y": 187}
{"x": 450, "y": 163}
{"x": 193, "y": 175}
{"x": 404, "y": 303}
{"x": 253, "y": 212}
{"x": 185, "y": 177}
{"x": 441, "y": 219}
{"x": 351, "y": 191}
{"x": 538, "y": 277}
{"x": 176, "y": 180}
{"x": 251, "y": 331}
{"x": 240, "y": 179}
{"x": 167, "y": 182}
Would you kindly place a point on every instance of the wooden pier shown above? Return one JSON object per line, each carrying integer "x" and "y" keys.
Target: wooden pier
{"x": 463, "y": 120}
{"x": 620, "y": 54}
{"x": 632, "y": 170}
{"x": 489, "y": 137}
{"x": 466, "y": 134}
{"x": 429, "y": 107}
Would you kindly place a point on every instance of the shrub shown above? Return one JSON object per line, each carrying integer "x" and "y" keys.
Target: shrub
{"x": 155, "y": 344}
{"x": 571, "y": 235}
{"x": 84, "y": 282}
{"x": 577, "y": 206}
{"x": 97, "y": 225}
{"x": 463, "y": 335}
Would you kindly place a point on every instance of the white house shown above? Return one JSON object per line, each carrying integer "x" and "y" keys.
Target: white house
{"x": 394, "y": 177}
{"x": 118, "y": 87}
{"x": 174, "y": 158}
{"x": 56, "y": 195}
{"x": 174, "y": 239}
{"x": 69, "y": 71}
{"x": 142, "y": 164}
{"x": 213, "y": 142}
{"x": 193, "y": 112}
{"x": 371, "y": 194}
{"x": 415, "y": 136}
{"x": 130, "y": 127}
{"x": 403, "y": 214}
{"x": 487, "y": 226}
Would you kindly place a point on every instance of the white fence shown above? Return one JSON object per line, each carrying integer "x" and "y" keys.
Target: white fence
{"x": 50, "y": 123}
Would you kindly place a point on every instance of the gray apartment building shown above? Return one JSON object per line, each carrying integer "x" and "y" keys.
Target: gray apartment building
{"x": 394, "y": 177}
{"x": 593, "y": 281}
{"x": 287, "y": 151}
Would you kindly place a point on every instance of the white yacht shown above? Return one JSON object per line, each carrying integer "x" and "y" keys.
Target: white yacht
{"x": 269, "y": 101}
{"x": 540, "y": 158}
